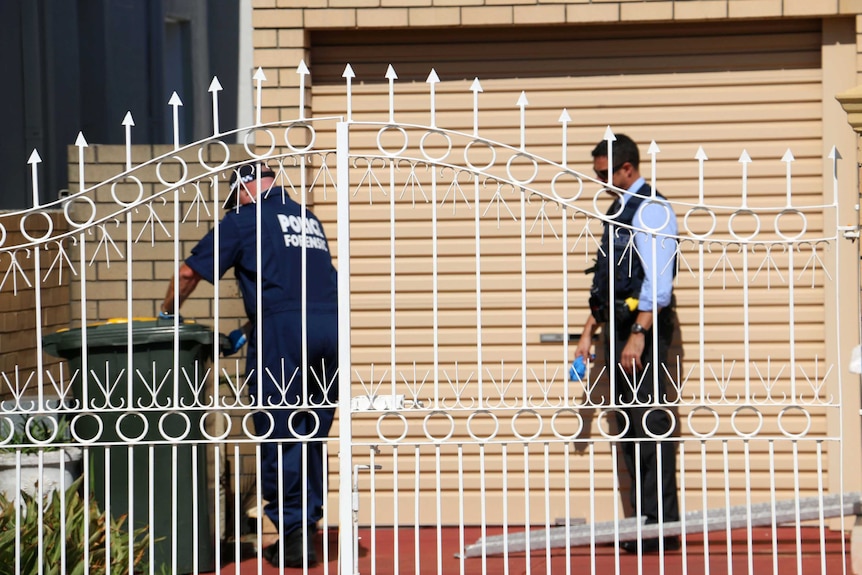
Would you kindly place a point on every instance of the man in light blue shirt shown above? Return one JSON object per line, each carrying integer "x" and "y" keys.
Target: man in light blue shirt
{"x": 631, "y": 299}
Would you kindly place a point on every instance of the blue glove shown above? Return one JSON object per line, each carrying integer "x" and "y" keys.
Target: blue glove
{"x": 165, "y": 316}
{"x": 237, "y": 339}
{"x": 578, "y": 369}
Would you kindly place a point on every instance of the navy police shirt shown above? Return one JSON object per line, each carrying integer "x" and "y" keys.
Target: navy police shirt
{"x": 281, "y": 256}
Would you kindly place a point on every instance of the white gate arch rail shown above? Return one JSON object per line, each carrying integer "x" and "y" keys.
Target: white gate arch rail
{"x": 456, "y": 253}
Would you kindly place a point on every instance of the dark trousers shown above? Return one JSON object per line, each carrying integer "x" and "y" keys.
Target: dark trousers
{"x": 635, "y": 398}
{"x": 297, "y": 430}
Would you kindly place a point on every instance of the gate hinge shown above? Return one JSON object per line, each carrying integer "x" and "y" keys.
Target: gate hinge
{"x": 850, "y": 232}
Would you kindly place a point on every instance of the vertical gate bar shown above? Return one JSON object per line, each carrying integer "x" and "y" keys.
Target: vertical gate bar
{"x": 236, "y": 507}
{"x": 565, "y": 268}
{"x": 217, "y": 506}
{"x": 591, "y": 453}
{"x": 345, "y": 460}
{"x": 373, "y": 496}
{"x": 567, "y": 502}
{"x": 477, "y": 227}
{"x": 746, "y": 453}
{"x": 196, "y": 533}
{"x": 773, "y": 502}
{"x": 797, "y": 521}
{"x": 326, "y": 526}
{"x": 259, "y": 515}
{"x": 417, "y": 560}
{"x": 705, "y": 506}
{"x": 821, "y": 519}
{"x": 131, "y": 506}
{"x": 527, "y": 550}
{"x": 547, "y": 510}
{"x": 505, "y": 472}
{"x": 638, "y": 487}
{"x": 725, "y": 452}
{"x": 435, "y": 286}
{"x": 396, "y": 539}
{"x": 523, "y": 230}
{"x": 483, "y": 505}
{"x": 392, "y": 308}
{"x": 682, "y": 497}
{"x": 439, "y": 511}
{"x": 461, "y": 558}
{"x": 615, "y": 473}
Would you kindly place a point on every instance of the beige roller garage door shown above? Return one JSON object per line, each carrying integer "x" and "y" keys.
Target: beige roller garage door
{"x": 727, "y": 87}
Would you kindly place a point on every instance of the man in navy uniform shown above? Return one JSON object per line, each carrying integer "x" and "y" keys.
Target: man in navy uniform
{"x": 643, "y": 269}
{"x": 296, "y": 391}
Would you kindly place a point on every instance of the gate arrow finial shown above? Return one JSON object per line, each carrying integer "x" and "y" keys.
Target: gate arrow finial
{"x": 81, "y": 142}
{"x": 788, "y": 159}
{"x": 128, "y": 122}
{"x": 215, "y": 88}
{"x": 348, "y": 76}
{"x": 432, "y": 80}
{"x": 391, "y": 76}
{"x": 175, "y": 102}
{"x": 476, "y": 88}
{"x": 564, "y": 120}
{"x": 303, "y": 72}
{"x": 259, "y": 77}
{"x": 34, "y": 160}
{"x": 701, "y": 157}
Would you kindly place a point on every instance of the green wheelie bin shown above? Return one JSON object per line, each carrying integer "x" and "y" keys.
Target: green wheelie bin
{"x": 144, "y": 450}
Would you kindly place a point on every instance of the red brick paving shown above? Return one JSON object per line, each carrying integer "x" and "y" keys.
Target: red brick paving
{"x": 755, "y": 558}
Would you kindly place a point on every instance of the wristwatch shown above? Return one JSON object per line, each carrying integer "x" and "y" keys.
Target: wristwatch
{"x": 638, "y": 328}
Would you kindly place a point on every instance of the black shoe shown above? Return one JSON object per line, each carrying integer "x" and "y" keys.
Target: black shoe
{"x": 293, "y": 551}
{"x": 671, "y": 543}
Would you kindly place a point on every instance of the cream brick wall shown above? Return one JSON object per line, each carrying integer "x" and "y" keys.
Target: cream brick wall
{"x": 18, "y": 299}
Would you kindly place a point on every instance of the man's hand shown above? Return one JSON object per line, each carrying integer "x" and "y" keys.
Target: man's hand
{"x": 631, "y": 356}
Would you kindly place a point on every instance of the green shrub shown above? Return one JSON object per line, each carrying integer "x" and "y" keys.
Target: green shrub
{"x": 74, "y": 543}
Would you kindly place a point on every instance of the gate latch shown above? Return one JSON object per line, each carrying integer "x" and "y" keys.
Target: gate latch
{"x": 850, "y": 232}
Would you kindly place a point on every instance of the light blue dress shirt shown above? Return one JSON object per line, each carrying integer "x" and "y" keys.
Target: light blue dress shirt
{"x": 657, "y": 216}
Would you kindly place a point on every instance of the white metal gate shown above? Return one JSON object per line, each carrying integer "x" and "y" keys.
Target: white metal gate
{"x": 461, "y": 266}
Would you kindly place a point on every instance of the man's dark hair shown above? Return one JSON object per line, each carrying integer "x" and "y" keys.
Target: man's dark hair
{"x": 625, "y": 150}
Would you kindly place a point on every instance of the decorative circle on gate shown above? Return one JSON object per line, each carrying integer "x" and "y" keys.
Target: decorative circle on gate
{"x": 520, "y": 434}
{"x": 250, "y": 151}
{"x": 48, "y": 228}
{"x": 381, "y": 432}
{"x": 447, "y": 143}
{"x": 253, "y": 432}
{"x": 136, "y": 434}
{"x": 784, "y": 230}
{"x": 184, "y": 172}
{"x": 531, "y": 162}
{"x": 68, "y": 206}
{"x": 2, "y": 235}
{"x": 183, "y": 416}
{"x": 738, "y": 234}
{"x": 446, "y": 417}
{"x": 556, "y": 428}
{"x": 32, "y": 438}
{"x": 294, "y": 414}
{"x": 652, "y": 205}
{"x": 605, "y": 414}
{"x": 391, "y": 130}
{"x": 83, "y": 417}
{"x": 487, "y": 417}
{"x": 137, "y": 183}
{"x": 227, "y": 428}
{"x": 579, "y": 183}
{"x": 738, "y": 429}
{"x": 657, "y": 411}
{"x": 600, "y": 195}
{"x": 696, "y": 231}
{"x": 206, "y": 148}
{"x": 491, "y": 151}
{"x": 310, "y": 137}
{"x": 785, "y": 430}
{"x": 7, "y": 424}
{"x": 709, "y": 411}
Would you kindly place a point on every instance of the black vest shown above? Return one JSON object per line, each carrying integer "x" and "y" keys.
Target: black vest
{"x": 629, "y": 271}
